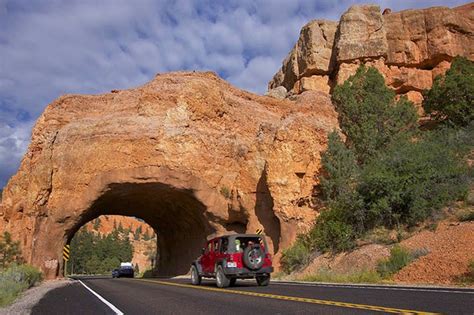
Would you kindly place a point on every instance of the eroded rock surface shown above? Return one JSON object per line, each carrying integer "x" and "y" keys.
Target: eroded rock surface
{"x": 409, "y": 48}
{"x": 187, "y": 152}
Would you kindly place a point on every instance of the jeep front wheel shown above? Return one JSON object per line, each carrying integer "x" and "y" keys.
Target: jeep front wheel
{"x": 221, "y": 279}
{"x": 263, "y": 281}
{"x": 195, "y": 277}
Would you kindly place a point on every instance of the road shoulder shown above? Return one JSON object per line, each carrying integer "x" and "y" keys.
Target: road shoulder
{"x": 28, "y": 299}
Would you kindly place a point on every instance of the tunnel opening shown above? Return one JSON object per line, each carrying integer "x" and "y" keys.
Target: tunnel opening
{"x": 175, "y": 214}
{"x": 106, "y": 242}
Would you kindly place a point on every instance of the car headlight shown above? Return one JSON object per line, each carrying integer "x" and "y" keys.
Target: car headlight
{"x": 231, "y": 264}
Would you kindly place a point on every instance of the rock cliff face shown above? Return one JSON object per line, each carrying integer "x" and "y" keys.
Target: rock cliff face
{"x": 409, "y": 48}
{"x": 188, "y": 153}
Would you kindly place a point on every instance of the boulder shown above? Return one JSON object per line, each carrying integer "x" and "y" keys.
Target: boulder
{"x": 278, "y": 92}
{"x": 312, "y": 54}
{"x": 313, "y": 83}
{"x": 314, "y": 48}
{"x": 361, "y": 34}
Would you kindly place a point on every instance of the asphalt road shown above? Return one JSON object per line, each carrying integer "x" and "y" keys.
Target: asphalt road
{"x": 166, "y": 296}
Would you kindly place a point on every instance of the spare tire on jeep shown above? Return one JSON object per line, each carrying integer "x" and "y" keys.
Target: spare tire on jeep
{"x": 253, "y": 257}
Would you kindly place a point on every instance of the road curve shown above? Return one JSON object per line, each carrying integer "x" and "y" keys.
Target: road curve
{"x": 167, "y": 296}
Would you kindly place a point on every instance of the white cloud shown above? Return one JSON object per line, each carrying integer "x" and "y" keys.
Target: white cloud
{"x": 53, "y": 47}
{"x": 13, "y": 144}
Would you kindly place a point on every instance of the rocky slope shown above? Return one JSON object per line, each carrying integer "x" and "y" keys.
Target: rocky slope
{"x": 409, "y": 48}
{"x": 449, "y": 249}
{"x": 142, "y": 247}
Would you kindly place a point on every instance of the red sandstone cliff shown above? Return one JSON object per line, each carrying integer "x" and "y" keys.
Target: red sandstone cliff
{"x": 409, "y": 48}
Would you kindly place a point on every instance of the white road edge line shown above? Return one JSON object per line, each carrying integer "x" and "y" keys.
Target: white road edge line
{"x": 112, "y": 307}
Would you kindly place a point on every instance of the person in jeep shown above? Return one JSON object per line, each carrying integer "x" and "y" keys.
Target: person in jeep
{"x": 231, "y": 257}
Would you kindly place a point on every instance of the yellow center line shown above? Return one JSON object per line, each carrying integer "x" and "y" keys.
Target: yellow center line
{"x": 293, "y": 298}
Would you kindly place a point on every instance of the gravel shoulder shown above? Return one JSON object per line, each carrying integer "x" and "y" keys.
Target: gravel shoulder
{"x": 28, "y": 299}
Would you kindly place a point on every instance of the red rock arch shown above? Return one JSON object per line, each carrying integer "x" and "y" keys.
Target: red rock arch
{"x": 227, "y": 159}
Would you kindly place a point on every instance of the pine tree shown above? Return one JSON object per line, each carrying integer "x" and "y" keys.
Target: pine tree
{"x": 369, "y": 115}
{"x": 146, "y": 236}
{"x": 97, "y": 224}
{"x": 138, "y": 233}
{"x": 120, "y": 227}
{"x": 451, "y": 98}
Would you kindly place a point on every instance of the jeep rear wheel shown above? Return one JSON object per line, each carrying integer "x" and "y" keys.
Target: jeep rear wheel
{"x": 195, "y": 277}
{"x": 221, "y": 279}
{"x": 263, "y": 281}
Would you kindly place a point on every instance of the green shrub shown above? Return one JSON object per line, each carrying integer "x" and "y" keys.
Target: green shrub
{"x": 451, "y": 98}
{"x": 363, "y": 276}
{"x": 10, "y": 252}
{"x": 468, "y": 277}
{"x": 369, "y": 115}
{"x": 15, "y": 280}
{"x": 399, "y": 258}
{"x": 466, "y": 215}
{"x": 295, "y": 256}
{"x": 412, "y": 179}
{"x": 380, "y": 235}
{"x": 340, "y": 169}
{"x": 332, "y": 235}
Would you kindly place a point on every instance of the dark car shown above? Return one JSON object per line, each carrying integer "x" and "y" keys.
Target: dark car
{"x": 231, "y": 257}
{"x": 123, "y": 271}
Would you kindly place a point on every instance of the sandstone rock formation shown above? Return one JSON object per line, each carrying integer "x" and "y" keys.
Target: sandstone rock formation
{"x": 187, "y": 152}
{"x": 409, "y": 48}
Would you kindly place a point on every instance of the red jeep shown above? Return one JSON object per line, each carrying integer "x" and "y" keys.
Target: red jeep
{"x": 231, "y": 257}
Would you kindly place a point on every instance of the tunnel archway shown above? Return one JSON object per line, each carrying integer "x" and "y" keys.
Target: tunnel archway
{"x": 178, "y": 217}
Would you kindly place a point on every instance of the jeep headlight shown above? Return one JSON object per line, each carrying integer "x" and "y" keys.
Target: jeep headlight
{"x": 231, "y": 264}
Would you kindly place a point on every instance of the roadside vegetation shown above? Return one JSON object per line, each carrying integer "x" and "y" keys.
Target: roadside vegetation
{"x": 399, "y": 258}
{"x": 468, "y": 277}
{"x": 384, "y": 172}
{"x": 15, "y": 277}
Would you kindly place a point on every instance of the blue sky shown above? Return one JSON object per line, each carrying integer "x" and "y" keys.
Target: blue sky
{"x": 53, "y": 47}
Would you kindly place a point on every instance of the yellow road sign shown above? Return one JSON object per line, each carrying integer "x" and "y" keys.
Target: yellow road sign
{"x": 259, "y": 231}
{"x": 66, "y": 252}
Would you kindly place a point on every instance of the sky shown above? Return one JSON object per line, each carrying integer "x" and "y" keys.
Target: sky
{"x": 52, "y": 47}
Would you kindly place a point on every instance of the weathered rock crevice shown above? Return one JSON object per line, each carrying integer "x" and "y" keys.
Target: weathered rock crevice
{"x": 265, "y": 212}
